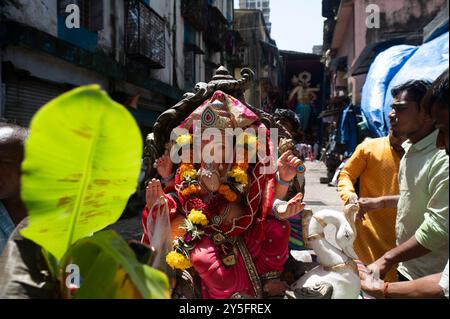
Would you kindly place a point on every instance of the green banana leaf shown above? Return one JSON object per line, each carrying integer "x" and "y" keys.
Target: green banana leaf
{"x": 109, "y": 269}
{"x": 82, "y": 161}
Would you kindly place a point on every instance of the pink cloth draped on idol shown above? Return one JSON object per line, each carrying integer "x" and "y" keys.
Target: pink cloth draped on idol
{"x": 235, "y": 255}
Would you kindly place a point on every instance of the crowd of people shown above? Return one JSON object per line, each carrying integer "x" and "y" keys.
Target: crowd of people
{"x": 402, "y": 224}
{"x": 403, "y": 196}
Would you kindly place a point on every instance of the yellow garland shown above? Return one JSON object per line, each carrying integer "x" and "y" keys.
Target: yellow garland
{"x": 184, "y": 139}
{"x": 192, "y": 173}
{"x": 185, "y": 167}
{"x": 178, "y": 261}
{"x": 239, "y": 175}
{"x": 198, "y": 218}
{"x": 247, "y": 139}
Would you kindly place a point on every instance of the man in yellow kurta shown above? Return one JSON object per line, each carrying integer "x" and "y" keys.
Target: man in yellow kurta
{"x": 375, "y": 163}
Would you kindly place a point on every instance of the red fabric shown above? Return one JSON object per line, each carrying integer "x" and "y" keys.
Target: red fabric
{"x": 270, "y": 254}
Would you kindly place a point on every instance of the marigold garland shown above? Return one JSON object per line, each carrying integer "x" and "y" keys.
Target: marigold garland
{"x": 239, "y": 175}
{"x": 228, "y": 193}
{"x": 247, "y": 140}
{"x": 188, "y": 170}
{"x": 243, "y": 166}
{"x": 178, "y": 261}
{"x": 191, "y": 190}
{"x": 193, "y": 225}
{"x": 184, "y": 139}
{"x": 198, "y": 218}
{"x": 192, "y": 174}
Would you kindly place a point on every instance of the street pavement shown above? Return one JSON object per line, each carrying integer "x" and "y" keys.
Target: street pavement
{"x": 317, "y": 196}
{"x": 321, "y": 196}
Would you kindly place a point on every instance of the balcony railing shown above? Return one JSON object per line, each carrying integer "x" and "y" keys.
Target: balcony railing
{"x": 234, "y": 48}
{"x": 215, "y": 35}
{"x": 195, "y": 12}
{"x": 145, "y": 34}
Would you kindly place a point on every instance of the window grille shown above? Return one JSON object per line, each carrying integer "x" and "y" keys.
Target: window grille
{"x": 145, "y": 34}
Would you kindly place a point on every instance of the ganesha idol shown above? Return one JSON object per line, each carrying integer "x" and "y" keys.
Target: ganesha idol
{"x": 223, "y": 197}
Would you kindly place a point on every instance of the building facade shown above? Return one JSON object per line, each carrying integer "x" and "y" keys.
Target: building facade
{"x": 263, "y": 5}
{"x": 144, "y": 53}
{"x": 355, "y": 31}
{"x": 259, "y": 53}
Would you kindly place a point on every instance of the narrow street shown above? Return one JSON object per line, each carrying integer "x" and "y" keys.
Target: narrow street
{"x": 319, "y": 196}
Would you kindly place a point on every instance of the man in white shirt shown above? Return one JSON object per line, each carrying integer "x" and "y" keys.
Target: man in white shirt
{"x": 436, "y": 103}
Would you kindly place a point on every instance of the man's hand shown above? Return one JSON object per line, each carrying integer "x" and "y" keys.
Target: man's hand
{"x": 287, "y": 166}
{"x": 370, "y": 204}
{"x": 370, "y": 284}
{"x": 353, "y": 199}
{"x": 164, "y": 165}
{"x": 380, "y": 267}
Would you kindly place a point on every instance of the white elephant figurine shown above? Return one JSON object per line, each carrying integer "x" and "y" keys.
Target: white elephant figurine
{"x": 337, "y": 275}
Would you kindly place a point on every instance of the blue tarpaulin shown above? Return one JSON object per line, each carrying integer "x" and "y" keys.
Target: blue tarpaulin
{"x": 382, "y": 71}
{"x": 427, "y": 63}
{"x": 396, "y": 66}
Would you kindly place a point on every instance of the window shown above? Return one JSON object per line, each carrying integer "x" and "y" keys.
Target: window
{"x": 91, "y": 13}
{"x": 145, "y": 34}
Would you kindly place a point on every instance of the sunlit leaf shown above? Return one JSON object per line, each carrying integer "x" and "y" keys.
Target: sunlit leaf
{"x": 82, "y": 161}
{"x": 109, "y": 269}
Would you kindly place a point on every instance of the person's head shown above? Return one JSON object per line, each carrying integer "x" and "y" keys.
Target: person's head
{"x": 435, "y": 104}
{"x": 406, "y": 116}
{"x": 12, "y": 140}
{"x": 288, "y": 119}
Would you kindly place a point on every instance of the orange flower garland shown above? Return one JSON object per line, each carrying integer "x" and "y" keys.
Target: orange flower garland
{"x": 228, "y": 193}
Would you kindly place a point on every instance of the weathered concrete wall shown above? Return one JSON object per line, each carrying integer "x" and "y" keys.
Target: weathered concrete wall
{"x": 403, "y": 17}
{"x": 111, "y": 39}
{"x": 40, "y": 14}
{"x": 46, "y": 67}
{"x": 118, "y": 22}
{"x": 106, "y": 36}
{"x": 360, "y": 28}
{"x": 347, "y": 47}
{"x": 397, "y": 18}
{"x": 43, "y": 15}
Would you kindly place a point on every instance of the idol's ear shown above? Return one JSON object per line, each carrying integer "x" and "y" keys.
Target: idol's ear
{"x": 350, "y": 212}
{"x": 306, "y": 220}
